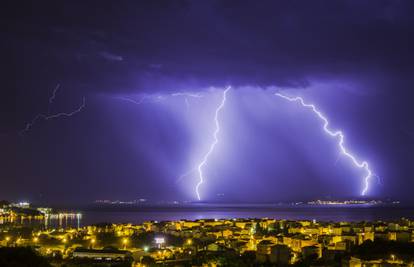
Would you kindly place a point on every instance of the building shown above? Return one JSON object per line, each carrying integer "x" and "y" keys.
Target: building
{"x": 280, "y": 254}
{"x": 311, "y": 251}
{"x": 22, "y": 205}
{"x": 101, "y": 254}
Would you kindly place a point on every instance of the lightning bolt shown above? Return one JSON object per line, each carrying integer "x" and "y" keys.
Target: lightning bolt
{"x": 186, "y": 96}
{"x": 53, "y": 96}
{"x": 182, "y": 176}
{"x": 49, "y": 116}
{"x": 339, "y": 135}
{"x": 194, "y": 95}
{"x": 158, "y": 98}
{"x": 136, "y": 102}
{"x": 212, "y": 145}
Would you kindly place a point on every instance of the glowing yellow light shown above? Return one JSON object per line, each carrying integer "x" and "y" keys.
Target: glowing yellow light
{"x": 124, "y": 241}
{"x": 93, "y": 240}
{"x": 189, "y": 242}
{"x": 7, "y": 238}
{"x": 35, "y": 239}
{"x": 64, "y": 240}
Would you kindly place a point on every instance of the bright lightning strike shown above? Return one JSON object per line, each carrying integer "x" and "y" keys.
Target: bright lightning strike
{"x": 213, "y": 144}
{"x": 337, "y": 134}
{"x": 49, "y": 116}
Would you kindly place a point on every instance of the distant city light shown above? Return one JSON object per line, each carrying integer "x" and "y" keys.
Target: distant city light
{"x": 159, "y": 240}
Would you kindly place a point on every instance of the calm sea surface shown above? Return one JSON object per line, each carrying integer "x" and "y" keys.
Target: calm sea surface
{"x": 290, "y": 213}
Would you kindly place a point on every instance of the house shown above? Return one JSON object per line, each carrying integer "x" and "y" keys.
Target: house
{"x": 101, "y": 254}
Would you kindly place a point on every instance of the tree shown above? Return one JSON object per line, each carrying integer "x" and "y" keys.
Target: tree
{"x": 107, "y": 239}
{"x": 148, "y": 261}
{"x": 4, "y": 203}
{"x": 22, "y": 257}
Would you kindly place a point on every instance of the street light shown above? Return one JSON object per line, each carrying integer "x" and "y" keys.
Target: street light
{"x": 125, "y": 242}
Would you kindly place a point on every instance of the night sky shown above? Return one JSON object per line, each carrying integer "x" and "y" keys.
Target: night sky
{"x": 353, "y": 59}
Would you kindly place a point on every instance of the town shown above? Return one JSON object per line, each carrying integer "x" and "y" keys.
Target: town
{"x": 216, "y": 242}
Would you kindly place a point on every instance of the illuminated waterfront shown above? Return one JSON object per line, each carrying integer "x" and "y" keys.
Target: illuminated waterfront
{"x": 206, "y": 233}
{"x": 60, "y": 220}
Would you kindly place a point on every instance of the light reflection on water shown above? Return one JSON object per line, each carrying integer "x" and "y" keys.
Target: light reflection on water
{"x": 89, "y": 217}
{"x": 52, "y": 221}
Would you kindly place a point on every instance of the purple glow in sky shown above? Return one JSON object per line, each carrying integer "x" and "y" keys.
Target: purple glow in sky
{"x": 153, "y": 74}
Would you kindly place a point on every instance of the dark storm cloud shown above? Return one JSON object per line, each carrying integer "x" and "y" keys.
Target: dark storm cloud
{"x": 204, "y": 43}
